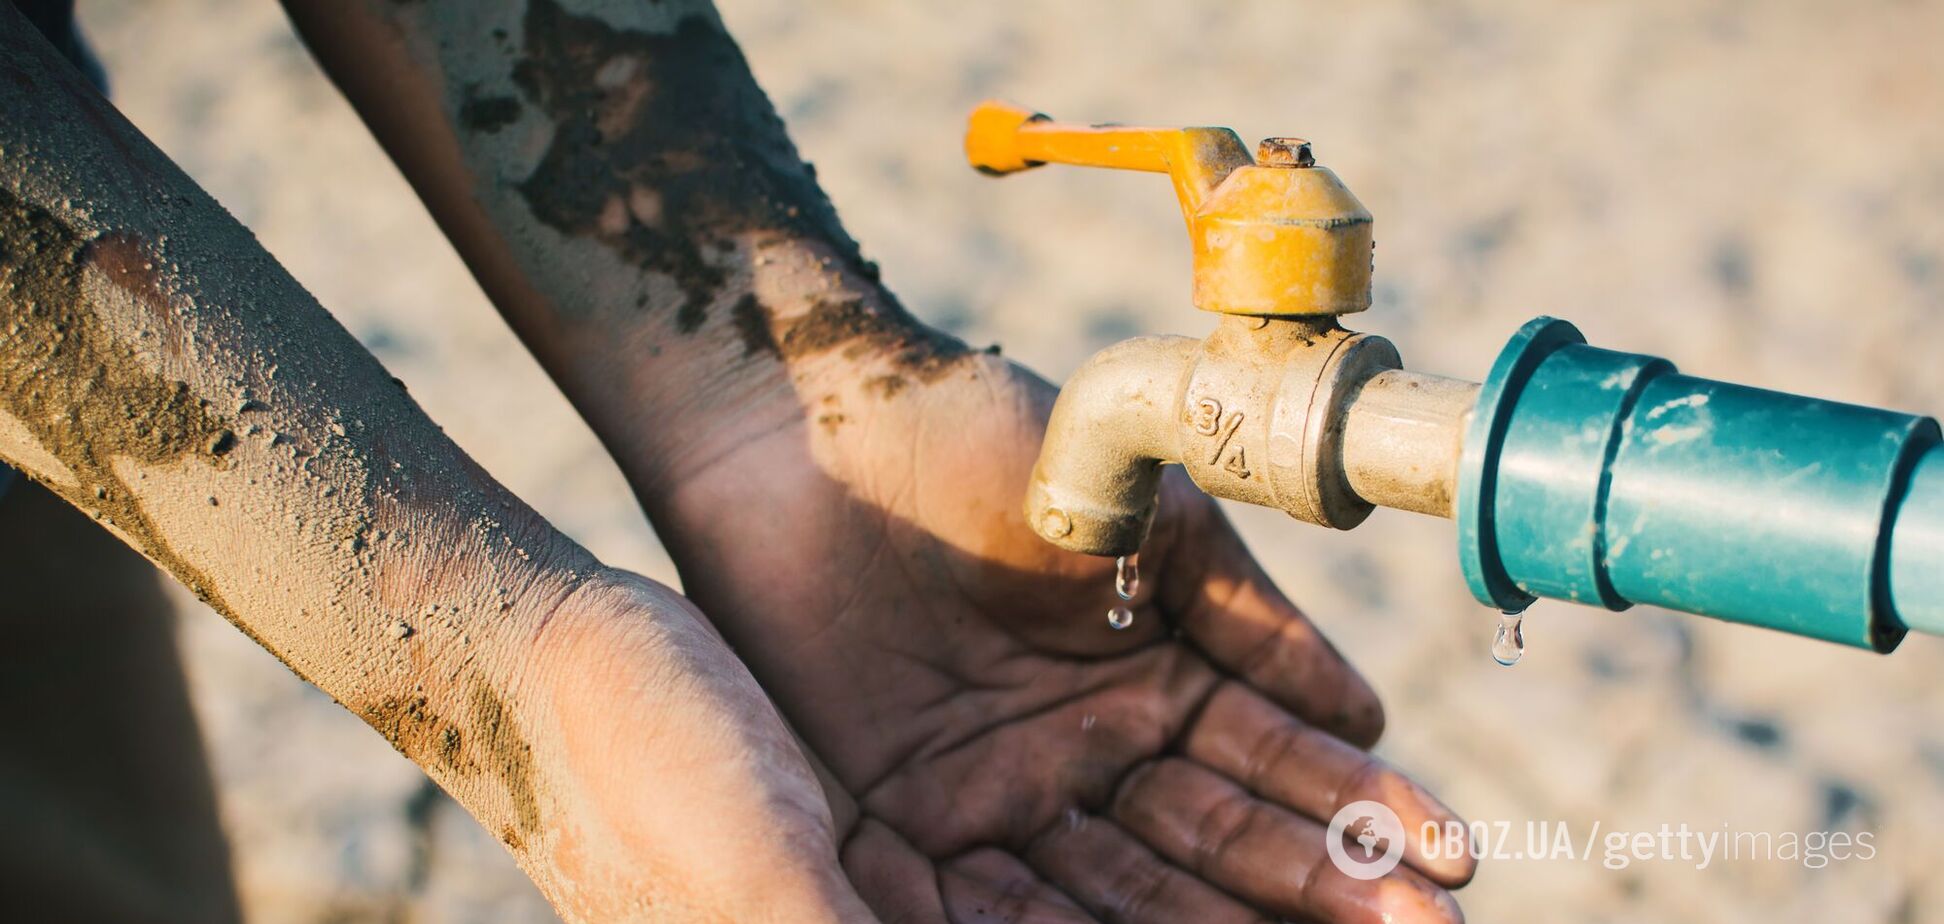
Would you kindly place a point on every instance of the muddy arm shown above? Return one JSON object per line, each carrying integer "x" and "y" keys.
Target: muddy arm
{"x": 161, "y": 372}
{"x": 628, "y": 197}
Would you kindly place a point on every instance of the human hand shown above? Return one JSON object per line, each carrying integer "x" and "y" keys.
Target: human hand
{"x": 650, "y": 777}
{"x": 958, "y": 674}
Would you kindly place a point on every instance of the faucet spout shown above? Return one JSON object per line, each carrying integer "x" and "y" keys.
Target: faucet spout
{"x": 1093, "y": 489}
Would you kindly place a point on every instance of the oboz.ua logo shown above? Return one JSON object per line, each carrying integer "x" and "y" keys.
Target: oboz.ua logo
{"x": 1365, "y": 840}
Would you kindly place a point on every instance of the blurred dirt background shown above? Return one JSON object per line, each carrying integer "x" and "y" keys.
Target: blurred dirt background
{"x": 1753, "y": 189}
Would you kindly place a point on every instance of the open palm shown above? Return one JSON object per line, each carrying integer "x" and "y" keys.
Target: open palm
{"x": 1015, "y": 757}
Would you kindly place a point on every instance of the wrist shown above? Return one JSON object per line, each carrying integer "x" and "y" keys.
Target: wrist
{"x": 659, "y": 768}
{"x": 803, "y": 341}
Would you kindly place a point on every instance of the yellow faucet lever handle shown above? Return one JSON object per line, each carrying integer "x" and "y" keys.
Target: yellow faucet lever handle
{"x": 1001, "y": 138}
{"x": 1274, "y": 237}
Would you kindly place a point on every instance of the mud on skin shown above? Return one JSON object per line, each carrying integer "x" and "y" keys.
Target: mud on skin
{"x": 491, "y": 742}
{"x": 666, "y": 151}
{"x": 487, "y": 113}
{"x": 73, "y": 384}
{"x": 100, "y": 411}
{"x": 87, "y": 398}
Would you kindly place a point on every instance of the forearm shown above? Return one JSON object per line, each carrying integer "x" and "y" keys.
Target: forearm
{"x": 160, "y": 371}
{"x": 631, "y": 202}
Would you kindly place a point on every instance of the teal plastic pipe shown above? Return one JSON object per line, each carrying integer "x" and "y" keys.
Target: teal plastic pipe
{"x": 1611, "y": 479}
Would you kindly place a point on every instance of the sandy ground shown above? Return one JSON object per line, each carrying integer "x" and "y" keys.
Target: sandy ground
{"x": 1755, "y": 190}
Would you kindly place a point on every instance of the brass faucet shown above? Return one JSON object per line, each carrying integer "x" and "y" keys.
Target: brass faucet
{"x": 1280, "y": 406}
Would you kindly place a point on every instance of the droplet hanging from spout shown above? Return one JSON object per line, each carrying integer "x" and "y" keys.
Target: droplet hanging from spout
{"x": 1508, "y": 643}
{"x": 1127, "y": 582}
{"x": 1127, "y": 575}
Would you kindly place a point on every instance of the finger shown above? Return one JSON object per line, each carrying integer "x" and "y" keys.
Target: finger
{"x": 1265, "y": 855}
{"x": 1121, "y": 882}
{"x": 893, "y": 878}
{"x": 1283, "y": 759}
{"x": 989, "y": 886}
{"x": 1225, "y": 602}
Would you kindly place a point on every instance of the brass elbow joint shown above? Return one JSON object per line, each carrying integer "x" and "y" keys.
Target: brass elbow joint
{"x": 1113, "y": 427}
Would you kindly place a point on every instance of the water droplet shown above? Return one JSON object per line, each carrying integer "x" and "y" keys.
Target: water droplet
{"x": 1120, "y": 617}
{"x": 1508, "y": 643}
{"x": 1127, "y": 575}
